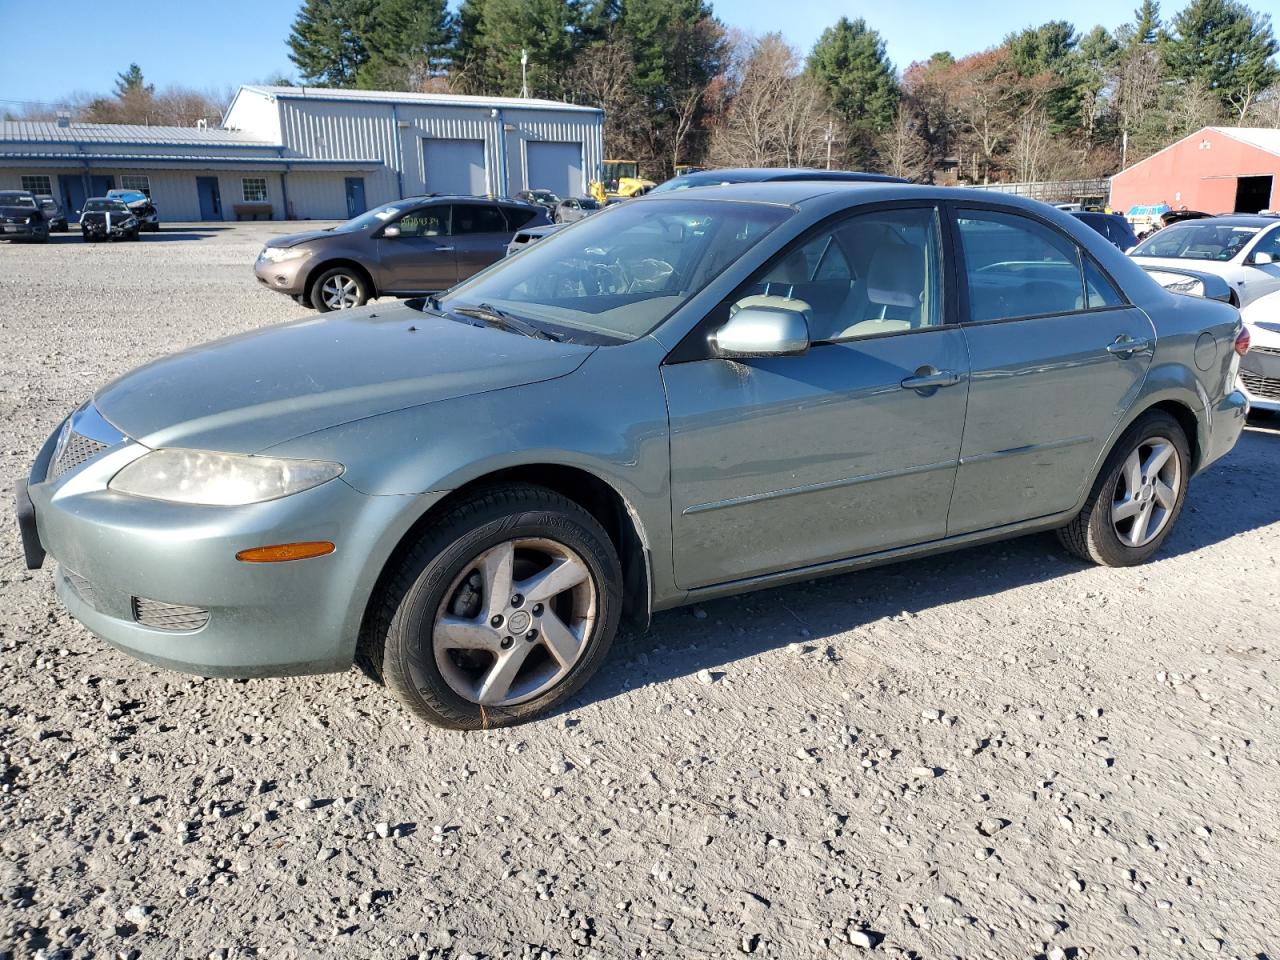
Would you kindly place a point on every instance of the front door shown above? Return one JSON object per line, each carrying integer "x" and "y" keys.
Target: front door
{"x": 1058, "y": 357}
{"x": 210, "y": 198}
{"x": 1261, "y": 274}
{"x": 481, "y": 234}
{"x": 100, "y": 184}
{"x": 787, "y": 462}
{"x": 355, "y": 196}
{"x": 421, "y": 258}
{"x": 71, "y": 189}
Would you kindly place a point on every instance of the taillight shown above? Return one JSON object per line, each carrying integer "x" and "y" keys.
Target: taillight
{"x": 1242, "y": 341}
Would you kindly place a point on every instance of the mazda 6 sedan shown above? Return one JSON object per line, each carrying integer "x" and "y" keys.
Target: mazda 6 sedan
{"x": 681, "y": 397}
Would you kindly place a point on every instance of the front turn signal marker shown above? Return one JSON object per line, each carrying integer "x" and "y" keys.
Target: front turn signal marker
{"x": 281, "y": 552}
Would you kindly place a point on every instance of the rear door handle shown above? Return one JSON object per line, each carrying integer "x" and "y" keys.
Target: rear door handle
{"x": 1125, "y": 346}
{"x": 931, "y": 381}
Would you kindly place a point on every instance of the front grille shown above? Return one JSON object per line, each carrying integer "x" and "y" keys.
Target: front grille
{"x": 78, "y": 450}
{"x": 1266, "y": 351}
{"x": 168, "y": 616}
{"x": 1264, "y": 388}
{"x": 82, "y": 587}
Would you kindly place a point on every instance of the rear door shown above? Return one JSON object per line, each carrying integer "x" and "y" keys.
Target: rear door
{"x": 422, "y": 258}
{"x": 480, "y": 235}
{"x": 1057, "y": 355}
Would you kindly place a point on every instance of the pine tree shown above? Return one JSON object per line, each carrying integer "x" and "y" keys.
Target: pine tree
{"x": 1226, "y": 48}
{"x": 131, "y": 82}
{"x": 327, "y": 42}
{"x": 850, "y": 64}
{"x": 408, "y": 42}
{"x": 1047, "y": 57}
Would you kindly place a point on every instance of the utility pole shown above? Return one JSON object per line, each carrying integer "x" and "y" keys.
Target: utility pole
{"x": 830, "y": 137}
{"x": 524, "y": 74}
{"x": 1124, "y": 149}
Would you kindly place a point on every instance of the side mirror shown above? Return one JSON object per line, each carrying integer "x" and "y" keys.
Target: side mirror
{"x": 391, "y": 232}
{"x": 762, "y": 332}
{"x": 1263, "y": 259}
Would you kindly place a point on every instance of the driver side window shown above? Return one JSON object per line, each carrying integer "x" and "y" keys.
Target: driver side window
{"x": 424, "y": 222}
{"x": 869, "y": 274}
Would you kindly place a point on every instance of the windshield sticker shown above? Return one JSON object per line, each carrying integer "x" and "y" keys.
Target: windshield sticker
{"x": 386, "y": 214}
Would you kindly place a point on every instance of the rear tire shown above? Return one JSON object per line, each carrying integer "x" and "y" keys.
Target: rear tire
{"x": 340, "y": 288}
{"x": 1137, "y": 497}
{"x": 462, "y": 655}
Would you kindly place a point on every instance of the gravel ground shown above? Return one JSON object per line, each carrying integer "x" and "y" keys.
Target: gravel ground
{"x": 997, "y": 753}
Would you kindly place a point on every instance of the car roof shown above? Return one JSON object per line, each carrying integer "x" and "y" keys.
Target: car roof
{"x": 799, "y": 192}
{"x": 775, "y": 174}
{"x": 1244, "y": 220}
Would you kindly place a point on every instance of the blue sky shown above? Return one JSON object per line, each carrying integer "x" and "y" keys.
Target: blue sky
{"x": 216, "y": 45}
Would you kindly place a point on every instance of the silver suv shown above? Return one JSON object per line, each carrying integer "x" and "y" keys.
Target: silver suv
{"x": 401, "y": 249}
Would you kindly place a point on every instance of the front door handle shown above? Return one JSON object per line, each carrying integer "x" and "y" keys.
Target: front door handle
{"x": 1124, "y": 346}
{"x": 443, "y": 249}
{"x": 927, "y": 378}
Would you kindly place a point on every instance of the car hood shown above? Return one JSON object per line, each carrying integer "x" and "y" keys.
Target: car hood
{"x": 1186, "y": 263}
{"x": 249, "y": 392}
{"x": 293, "y": 239}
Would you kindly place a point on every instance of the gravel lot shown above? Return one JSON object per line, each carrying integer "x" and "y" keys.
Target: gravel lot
{"x": 997, "y": 753}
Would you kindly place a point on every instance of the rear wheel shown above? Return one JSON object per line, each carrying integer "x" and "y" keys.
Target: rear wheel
{"x": 502, "y": 611}
{"x": 339, "y": 289}
{"x": 1137, "y": 497}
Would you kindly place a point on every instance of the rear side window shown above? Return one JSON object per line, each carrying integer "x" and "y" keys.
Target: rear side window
{"x": 517, "y": 217}
{"x": 1018, "y": 267}
{"x": 478, "y": 218}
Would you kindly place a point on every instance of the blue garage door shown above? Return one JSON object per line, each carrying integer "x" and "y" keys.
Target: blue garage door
{"x": 454, "y": 166}
{"x": 556, "y": 167}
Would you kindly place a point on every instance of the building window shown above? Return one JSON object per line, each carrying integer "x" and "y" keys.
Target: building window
{"x": 39, "y": 183}
{"x": 136, "y": 182}
{"x": 255, "y": 189}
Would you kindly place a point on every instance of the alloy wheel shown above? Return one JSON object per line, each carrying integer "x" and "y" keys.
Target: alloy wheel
{"x": 340, "y": 292}
{"x": 1146, "y": 492}
{"x": 514, "y": 622}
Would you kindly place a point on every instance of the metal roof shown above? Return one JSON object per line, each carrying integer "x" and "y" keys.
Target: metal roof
{"x": 160, "y": 160}
{"x": 424, "y": 99}
{"x": 1264, "y": 138}
{"x": 46, "y": 131}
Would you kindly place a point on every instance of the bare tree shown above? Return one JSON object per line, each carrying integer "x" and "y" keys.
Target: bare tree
{"x": 903, "y": 147}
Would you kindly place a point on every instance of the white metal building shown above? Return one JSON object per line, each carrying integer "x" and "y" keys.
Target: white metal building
{"x": 308, "y": 153}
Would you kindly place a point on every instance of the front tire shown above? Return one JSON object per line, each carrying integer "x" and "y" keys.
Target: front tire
{"x": 339, "y": 289}
{"x": 500, "y": 613}
{"x": 1137, "y": 497}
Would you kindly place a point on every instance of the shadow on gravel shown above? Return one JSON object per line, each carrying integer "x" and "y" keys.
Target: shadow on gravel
{"x": 1231, "y": 498}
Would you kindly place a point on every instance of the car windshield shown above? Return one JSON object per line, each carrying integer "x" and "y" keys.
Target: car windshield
{"x": 374, "y": 218}
{"x": 24, "y": 200}
{"x": 105, "y": 206}
{"x": 1197, "y": 240}
{"x": 616, "y": 276}
{"x": 588, "y": 204}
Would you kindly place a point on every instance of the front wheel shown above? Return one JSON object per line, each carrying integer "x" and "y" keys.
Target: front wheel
{"x": 339, "y": 289}
{"x": 500, "y": 613}
{"x": 1137, "y": 497}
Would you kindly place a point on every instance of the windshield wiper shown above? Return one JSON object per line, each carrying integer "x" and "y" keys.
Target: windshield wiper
{"x": 505, "y": 321}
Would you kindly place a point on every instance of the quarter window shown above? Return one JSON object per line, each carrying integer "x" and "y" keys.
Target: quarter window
{"x": 139, "y": 182}
{"x": 872, "y": 273}
{"x": 1017, "y": 267}
{"x": 254, "y": 189}
{"x": 37, "y": 183}
{"x": 1100, "y": 291}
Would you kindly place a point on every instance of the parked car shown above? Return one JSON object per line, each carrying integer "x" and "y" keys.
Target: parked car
{"x": 575, "y": 208}
{"x": 1170, "y": 217}
{"x": 52, "y": 211}
{"x": 1260, "y": 367}
{"x": 528, "y": 235}
{"x": 543, "y": 198}
{"x": 1243, "y": 249}
{"x": 1145, "y": 217}
{"x": 1111, "y": 225}
{"x": 141, "y": 207}
{"x": 105, "y": 218}
{"x": 683, "y": 397}
{"x": 720, "y": 178}
{"x": 401, "y": 249}
{"x": 21, "y": 217}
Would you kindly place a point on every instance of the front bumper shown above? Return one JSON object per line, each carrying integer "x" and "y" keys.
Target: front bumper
{"x": 23, "y": 231}
{"x": 1260, "y": 377}
{"x": 284, "y": 276}
{"x": 263, "y": 619}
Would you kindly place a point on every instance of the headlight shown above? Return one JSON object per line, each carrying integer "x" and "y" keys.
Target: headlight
{"x": 276, "y": 254}
{"x": 219, "y": 479}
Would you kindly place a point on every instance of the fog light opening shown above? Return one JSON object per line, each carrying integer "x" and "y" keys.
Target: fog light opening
{"x": 282, "y": 552}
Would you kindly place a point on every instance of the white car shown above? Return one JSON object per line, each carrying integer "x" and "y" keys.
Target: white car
{"x": 1243, "y": 249}
{"x": 1260, "y": 367}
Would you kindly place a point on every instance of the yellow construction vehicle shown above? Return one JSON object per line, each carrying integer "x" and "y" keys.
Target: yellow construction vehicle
{"x": 621, "y": 178}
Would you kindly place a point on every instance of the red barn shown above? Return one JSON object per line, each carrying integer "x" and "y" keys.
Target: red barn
{"x": 1216, "y": 170}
